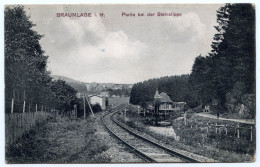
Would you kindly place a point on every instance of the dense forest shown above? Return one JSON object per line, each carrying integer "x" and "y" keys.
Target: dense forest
{"x": 223, "y": 79}
{"x": 27, "y": 80}
{"x": 177, "y": 87}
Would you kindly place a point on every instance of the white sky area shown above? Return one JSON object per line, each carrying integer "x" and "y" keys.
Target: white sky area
{"x": 123, "y": 49}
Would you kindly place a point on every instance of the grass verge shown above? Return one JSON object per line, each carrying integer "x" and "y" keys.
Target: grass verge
{"x": 59, "y": 140}
{"x": 192, "y": 140}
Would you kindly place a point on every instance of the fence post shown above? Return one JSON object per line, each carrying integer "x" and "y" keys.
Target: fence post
{"x": 23, "y": 106}
{"x": 203, "y": 140}
{"x": 226, "y": 130}
{"x": 251, "y": 133}
{"x": 216, "y": 128}
{"x": 12, "y": 106}
{"x": 23, "y": 101}
{"x": 36, "y": 108}
{"x": 207, "y": 127}
{"x": 238, "y": 136}
{"x": 185, "y": 118}
{"x": 125, "y": 114}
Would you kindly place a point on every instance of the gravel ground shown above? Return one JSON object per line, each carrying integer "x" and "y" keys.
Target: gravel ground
{"x": 116, "y": 152}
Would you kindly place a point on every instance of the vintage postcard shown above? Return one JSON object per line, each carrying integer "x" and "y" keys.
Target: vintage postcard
{"x": 124, "y": 83}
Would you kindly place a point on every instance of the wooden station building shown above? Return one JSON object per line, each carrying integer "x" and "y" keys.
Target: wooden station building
{"x": 164, "y": 105}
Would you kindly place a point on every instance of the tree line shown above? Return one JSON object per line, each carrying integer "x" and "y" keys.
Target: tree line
{"x": 26, "y": 76}
{"x": 225, "y": 77}
{"x": 177, "y": 87}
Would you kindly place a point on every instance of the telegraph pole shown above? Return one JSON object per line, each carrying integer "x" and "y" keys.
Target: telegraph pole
{"x": 90, "y": 108}
{"x": 84, "y": 106}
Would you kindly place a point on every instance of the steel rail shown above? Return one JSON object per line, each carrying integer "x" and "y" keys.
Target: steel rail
{"x": 138, "y": 152}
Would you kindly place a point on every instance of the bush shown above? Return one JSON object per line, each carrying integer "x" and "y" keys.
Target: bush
{"x": 148, "y": 121}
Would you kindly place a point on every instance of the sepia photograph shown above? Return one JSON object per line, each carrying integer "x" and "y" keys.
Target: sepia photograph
{"x": 129, "y": 83}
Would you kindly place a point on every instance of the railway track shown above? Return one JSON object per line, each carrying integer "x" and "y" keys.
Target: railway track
{"x": 148, "y": 150}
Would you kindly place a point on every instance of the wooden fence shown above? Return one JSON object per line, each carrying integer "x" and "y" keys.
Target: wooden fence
{"x": 17, "y": 124}
{"x": 247, "y": 132}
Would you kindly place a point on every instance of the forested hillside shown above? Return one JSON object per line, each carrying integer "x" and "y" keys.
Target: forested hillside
{"x": 227, "y": 75}
{"x": 225, "y": 78}
{"x": 77, "y": 85}
{"x": 177, "y": 87}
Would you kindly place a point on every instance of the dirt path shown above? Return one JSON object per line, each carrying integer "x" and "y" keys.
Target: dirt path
{"x": 246, "y": 121}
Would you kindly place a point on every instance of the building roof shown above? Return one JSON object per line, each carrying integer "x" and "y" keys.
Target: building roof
{"x": 183, "y": 103}
{"x": 95, "y": 95}
{"x": 165, "y": 98}
{"x": 162, "y": 97}
{"x": 157, "y": 94}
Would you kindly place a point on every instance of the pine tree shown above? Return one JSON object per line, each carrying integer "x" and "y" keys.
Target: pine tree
{"x": 26, "y": 75}
{"x": 235, "y": 49}
{"x": 25, "y": 61}
{"x": 232, "y": 59}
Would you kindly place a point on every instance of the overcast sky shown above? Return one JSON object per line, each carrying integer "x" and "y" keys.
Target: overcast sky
{"x": 123, "y": 49}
